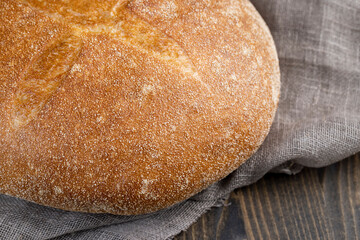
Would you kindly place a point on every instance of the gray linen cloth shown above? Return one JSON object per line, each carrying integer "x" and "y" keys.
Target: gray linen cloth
{"x": 317, "y": 124}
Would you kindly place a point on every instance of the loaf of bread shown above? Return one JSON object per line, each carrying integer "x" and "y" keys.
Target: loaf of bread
{"x": 128, "y": 107}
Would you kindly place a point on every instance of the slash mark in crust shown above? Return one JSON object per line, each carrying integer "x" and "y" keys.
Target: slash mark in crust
{"x": 42, "y": 78}
{"x": 47, "y": 70}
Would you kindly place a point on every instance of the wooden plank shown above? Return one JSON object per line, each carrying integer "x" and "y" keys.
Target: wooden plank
{"x": 218, "y": 223}
{"x": 342, "y": 193}
{"x": 315, "y": 204}
{"x": 295, "y": 208}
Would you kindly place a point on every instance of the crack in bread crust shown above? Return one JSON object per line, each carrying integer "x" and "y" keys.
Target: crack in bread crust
{"x": 44, "y": 73}
{"x": 42, "y": 78}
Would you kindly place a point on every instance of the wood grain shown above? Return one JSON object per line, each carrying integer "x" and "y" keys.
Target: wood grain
{"x": 314, "y": 204}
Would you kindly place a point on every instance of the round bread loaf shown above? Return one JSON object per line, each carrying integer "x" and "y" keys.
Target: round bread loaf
{"x": 127, "y": 107}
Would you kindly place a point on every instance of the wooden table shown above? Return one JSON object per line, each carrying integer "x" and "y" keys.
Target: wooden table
{"x": 314, "y": 204}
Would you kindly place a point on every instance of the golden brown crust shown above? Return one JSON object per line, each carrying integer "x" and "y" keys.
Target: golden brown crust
{"x": 128, "y": 107}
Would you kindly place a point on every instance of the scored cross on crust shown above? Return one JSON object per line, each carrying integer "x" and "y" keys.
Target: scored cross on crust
{"x": 46, "y": 70}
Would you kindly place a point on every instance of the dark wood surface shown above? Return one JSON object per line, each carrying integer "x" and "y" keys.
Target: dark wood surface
{"x": 314, "y": 204}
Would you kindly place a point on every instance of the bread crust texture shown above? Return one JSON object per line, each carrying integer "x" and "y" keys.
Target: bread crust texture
{"x": 128, "y": 107}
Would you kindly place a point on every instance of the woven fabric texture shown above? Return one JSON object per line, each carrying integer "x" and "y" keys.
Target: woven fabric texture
{"x": 317, "y": 124}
